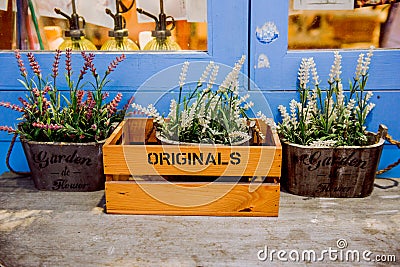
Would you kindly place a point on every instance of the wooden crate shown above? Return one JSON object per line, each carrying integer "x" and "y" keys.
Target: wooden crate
{"x": 144, "y": 177}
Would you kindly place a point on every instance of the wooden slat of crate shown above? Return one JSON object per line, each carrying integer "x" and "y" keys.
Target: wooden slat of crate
{"x": 261, "y": 160}
{"x": 184, "y": 199}
{"x": 126, "y": 195}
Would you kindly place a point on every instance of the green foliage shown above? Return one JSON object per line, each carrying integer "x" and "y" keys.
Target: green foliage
{"x": 80, "y": 115}
{"x": 205, "y": 115}
{"x": 331, "y": 116}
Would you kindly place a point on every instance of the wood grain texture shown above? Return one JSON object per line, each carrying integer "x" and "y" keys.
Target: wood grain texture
{"x": 261, "y": 160}
{"x": 212, "y": 199}
{"x": 41, "y": 228}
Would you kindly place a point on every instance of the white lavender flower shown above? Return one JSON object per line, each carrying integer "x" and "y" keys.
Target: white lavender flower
{"x": 243, "y": 99}
{"x": 359, "y": 68}
{"x": 248, "y": 106}
{"x": 368, "y": 96}
{"x": 269, "y": 121}
{"x": 285, "y": 115}
{"x": 340, "y": 95}
{"x": 231, "y": 80}
{"x": 334, "y": 75}
{"x": 206, "y": 72}
{"x": 367, "y": 62}
{"x": 293, "y": 110}
{"x": 304, "y": 73}
{"x": 368, "y": 109}
{"x": 182, "y": 76}
{"x": 213, "y": 77}
{"x": 349, "y": 107}
{"x": 185, "y": 119}
{"x": 314, "y": 72}
{"x": 150, "y": 111}
{"x": 172, "y": 109}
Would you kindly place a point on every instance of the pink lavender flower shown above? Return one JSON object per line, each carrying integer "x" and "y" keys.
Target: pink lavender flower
{"x": 114, "y": 63}
{"x": 25, "y": 103}
{"x": 12, "y": 106}
{"x": 36, "y": 92}
{"x": 128, "y": 103}
{"x": 90, "y": 105}
{"x": 7, "y": 129}
{"x": 89, "y": 98}
{"x": 21, "y": 65}
{"x": 68, "y": 65}
{"x": 46, "y": 89}
{"x": 88, "y": 64}
{"x": 34, "y": 64}
{"x": 105, "y": 95}
{"x": 79, "y": 96}
{"x": 112, "y": 107}
{"x": 56, "y": 63}
{"x": 50, "y": 126}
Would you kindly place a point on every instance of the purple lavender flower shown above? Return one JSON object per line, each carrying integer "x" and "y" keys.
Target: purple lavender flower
{"x": 56, "y": 63}
{"x": 12, "y": 106}
{"x": 50, "y": 126}
{"x": 79, "y": 96}
{"x": 112, "y": 107}
{"x": 114, "y": 63}
{"x": 34, "y": 64}
{"x": 68, "y": 65}
{"x": 25, "y": 103}
{"x": 7, "y": 129}
{"x": 21, "y": 65}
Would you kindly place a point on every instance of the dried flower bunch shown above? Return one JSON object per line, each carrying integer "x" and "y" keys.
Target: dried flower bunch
{"x": 205, "y": 115}
{"x": 49, "y": 115}
{"x": 331, "y": 116}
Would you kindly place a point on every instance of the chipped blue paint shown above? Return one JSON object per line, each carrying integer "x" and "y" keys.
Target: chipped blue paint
{"x": 267, "y": 33}
{"x": 263, "y": 62}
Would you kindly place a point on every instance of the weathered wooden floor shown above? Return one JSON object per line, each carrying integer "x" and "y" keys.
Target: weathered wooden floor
{"x": 39, "y": 228}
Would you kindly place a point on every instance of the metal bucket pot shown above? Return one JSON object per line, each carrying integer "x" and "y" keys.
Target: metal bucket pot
{"x": 65, "y": 166}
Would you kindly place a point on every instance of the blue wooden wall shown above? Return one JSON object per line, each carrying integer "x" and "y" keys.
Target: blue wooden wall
{"x": 232, "y": 33}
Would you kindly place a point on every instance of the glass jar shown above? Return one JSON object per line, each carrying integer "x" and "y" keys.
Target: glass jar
{"x": 118, "y": 44}
{"x": 77, "y": 44}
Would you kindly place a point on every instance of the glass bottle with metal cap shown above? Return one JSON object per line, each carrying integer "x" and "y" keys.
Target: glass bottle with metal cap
{"x": 75, "y": 37}
{"x": 162, "y": 36}
{"x": 119, "y": 36}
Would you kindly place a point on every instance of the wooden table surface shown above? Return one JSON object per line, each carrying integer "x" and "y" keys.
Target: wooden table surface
{"x": 39, "y": 228}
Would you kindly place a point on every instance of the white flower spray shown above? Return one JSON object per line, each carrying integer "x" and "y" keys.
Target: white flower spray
{"x": 206, "y": 115}
{"x": 332, "y": 116}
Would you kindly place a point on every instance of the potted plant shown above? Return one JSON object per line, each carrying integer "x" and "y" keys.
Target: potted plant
{"x": 62, "y": 133}
{"x": 327, "y": 151}
{"x": 210, "y": 147}
{"x": 205, "y": 115}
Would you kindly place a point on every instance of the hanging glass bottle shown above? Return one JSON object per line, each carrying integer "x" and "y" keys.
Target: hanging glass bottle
{"x": 161, "y": 35}
{"x": 75, "y": 37}
{"x": 119, "y": 39}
